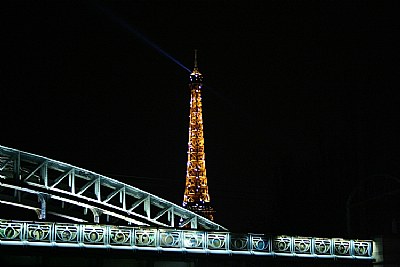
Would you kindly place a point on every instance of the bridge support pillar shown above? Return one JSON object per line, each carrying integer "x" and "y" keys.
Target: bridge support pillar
{"x": 193, "y": 223}
{"x": 42, "y": 198}
{"x": 96, "y": 215}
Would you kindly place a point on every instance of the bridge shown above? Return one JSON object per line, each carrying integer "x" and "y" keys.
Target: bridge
{"x": 97, "y": 212}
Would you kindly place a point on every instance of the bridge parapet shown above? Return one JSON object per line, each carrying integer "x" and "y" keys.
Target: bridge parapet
{"x": 177, "y": 240}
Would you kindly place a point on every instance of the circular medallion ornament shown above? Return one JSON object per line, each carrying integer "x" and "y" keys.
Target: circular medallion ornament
{"x": 215, "y": 243}
{"x": 119, "y": 237}
{"x": 143, "y": 239}
{"x": 239, "y": 243}
{"x": 66, "y": 235}
{"x": 93, "y": 236}
{"x": 342, "y": 248}
{"x": 259, "y": 244}
{"x": 361, "y": 249}
{"x": 281, "y": 246}
{"x": 192, "y": 241}
{"x": 10, "y": 233}
{"x": 322, "y": 247}
{"x": 37, "y": 234}
{"x": 169, "y": 239}
{"x": 302, "y": 246}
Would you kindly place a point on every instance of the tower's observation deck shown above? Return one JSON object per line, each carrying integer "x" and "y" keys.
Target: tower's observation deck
{"x": 196, "y": 197}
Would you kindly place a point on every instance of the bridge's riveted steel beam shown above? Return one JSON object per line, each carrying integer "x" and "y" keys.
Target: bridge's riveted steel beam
{"x": 3, "y": 165}
{"x": 171, "y": 216}
{"x": 17, "y": 166}
{"x": 113, "y": 194}
{"x": 193, "y": 223}
{"x": 19, "y": 205}
{"x": 44, "y": 173}
{"x": 205, "y": 225}
{"x": 137, "y": 203}
{"x": 67, "y": 217}
{"x": 82, "y": 204}
{"x": 191, "y": 220}
{"x": 86, "y": 186}
{"x": 61, "y": 177}
{"x": 146, "y": 206}
{"x": 162, "y": 212}
{"x": 71, "y": 181}
{"x": 43, "y": 164}
{"x": 97, "y": 188}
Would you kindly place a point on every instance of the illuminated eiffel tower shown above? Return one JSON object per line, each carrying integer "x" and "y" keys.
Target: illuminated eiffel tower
{"x": 196, "y": 197}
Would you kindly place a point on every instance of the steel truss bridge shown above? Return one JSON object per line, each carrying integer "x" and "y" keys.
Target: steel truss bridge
{"x": 100, "y": 212}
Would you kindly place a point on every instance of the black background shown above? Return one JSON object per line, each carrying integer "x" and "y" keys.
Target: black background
{"x": 300, "y": 101}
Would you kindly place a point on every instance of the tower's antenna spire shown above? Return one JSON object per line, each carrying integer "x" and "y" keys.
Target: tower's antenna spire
{"x": 195, "y": 59}
{"x": 196, "y": 76}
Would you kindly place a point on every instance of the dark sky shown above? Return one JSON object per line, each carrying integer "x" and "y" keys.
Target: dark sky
{"x": 300, "y": 101}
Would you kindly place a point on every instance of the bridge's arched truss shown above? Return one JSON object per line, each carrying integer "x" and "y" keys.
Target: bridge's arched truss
{"x": 178, "y": 240}
{"x": 50, "y": 187}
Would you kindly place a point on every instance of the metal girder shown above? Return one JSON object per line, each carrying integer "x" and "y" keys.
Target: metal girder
{"x": 113, "y": 194}
{"x": 5, "y": 163}
{"x": 34, "y": 171}
{"x": 90, "y": 190}
{"x": 161, "y": 213}
{"x": 67, "y": 217}
{"x": 37, "y": 210}
{"x": 17, "y": 165}
{"x": 192, "y": 221}
{"x": 137, "y": 203}
{"x": 61, "y": 177}
{"x": 86, "y": 186}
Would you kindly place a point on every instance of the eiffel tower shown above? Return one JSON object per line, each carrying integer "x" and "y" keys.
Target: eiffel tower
{"x": 196, "y": 197}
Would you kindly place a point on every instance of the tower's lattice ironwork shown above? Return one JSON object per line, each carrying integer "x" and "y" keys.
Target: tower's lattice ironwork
{"x": 196, "y": 197}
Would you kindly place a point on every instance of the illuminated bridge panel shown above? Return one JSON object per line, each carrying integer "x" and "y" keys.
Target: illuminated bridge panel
{"x": 177, "y": 240}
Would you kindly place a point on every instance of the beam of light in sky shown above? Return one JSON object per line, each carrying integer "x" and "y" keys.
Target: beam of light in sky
{"x": 141, "y": 37}
{"x": 148, "y": 42}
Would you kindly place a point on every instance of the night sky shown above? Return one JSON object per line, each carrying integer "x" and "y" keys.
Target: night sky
{"x": 300, "y": 101}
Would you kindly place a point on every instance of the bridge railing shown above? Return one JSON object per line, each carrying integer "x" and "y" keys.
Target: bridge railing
{"x": 177, "y": 240}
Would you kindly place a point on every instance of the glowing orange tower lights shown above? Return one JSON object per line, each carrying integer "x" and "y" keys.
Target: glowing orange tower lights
{"x": 196, "y": 197}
